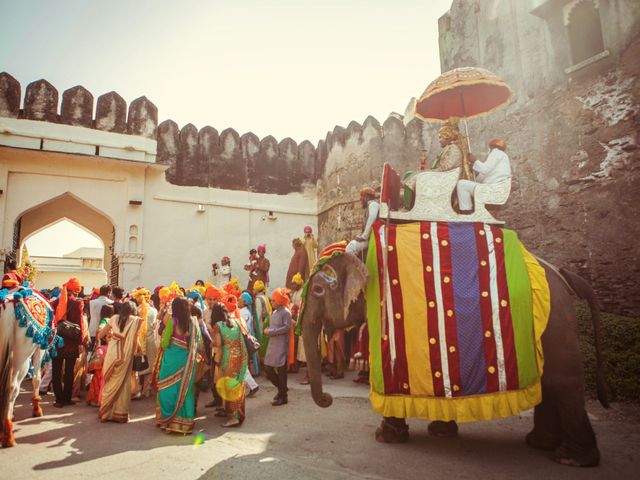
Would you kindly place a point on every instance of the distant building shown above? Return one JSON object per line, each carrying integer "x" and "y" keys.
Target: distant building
{"x": 84, "y": 263}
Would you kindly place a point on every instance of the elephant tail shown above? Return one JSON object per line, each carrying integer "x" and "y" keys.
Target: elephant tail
{"x": 583, "y": 290}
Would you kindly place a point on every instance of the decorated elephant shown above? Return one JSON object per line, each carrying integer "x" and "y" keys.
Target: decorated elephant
{"x": 25, "y": 335}
{"x": 474, "y": 318}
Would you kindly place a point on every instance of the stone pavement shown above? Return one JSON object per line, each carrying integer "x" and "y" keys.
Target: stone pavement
{"x": 299, "y": 441}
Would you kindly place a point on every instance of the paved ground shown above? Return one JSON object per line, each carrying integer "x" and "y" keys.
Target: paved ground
{"x": 299, "y": 441}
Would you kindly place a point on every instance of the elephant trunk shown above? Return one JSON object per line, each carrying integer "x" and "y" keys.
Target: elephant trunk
{"x": 310, "y": 334}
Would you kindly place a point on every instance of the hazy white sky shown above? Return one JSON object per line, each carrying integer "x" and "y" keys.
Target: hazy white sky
{"x": 287, "y": 68}
{"x": 61, "y": 238}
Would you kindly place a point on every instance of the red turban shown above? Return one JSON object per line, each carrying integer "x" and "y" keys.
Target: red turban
{"x": 367, "y": 192}
{"x": 280, "y": 296}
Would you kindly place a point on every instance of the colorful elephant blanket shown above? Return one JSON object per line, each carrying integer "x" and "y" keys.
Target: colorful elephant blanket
{"x": 455, "y": 321}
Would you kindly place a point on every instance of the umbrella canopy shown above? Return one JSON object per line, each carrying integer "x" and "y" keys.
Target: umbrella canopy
{"x": 465, "y": 92}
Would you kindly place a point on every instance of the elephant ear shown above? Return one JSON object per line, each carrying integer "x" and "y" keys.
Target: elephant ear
{"x": 356, "y": 280}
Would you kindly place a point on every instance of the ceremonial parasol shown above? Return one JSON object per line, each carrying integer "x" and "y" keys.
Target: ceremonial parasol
{"x": 466, "y": 92}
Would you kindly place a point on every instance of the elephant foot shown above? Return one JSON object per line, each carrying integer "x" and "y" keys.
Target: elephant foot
{"x": 392, "y": 431}
{"x": 8, "y": 439}
{"x": 541, "y": 441}
{"x": 443, "y": 429}
{"x": 577, "y": 457}
{"x": 37, "y": 408}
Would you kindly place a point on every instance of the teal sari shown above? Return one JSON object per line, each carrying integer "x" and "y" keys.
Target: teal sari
{"x": 175, "y": 406}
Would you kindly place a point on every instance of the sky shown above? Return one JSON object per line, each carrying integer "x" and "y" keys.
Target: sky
{"x": 287, "y": 68}
{"x": 61, "y": 238}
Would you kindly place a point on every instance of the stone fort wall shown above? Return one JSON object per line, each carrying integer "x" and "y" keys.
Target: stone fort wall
{"x": 204, "y": 157}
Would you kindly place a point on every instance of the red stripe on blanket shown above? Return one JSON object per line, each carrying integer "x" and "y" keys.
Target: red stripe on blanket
{"x": 400, "y": 369}
{"x": 432, "y": 312}
{"x": 490, "y": 355}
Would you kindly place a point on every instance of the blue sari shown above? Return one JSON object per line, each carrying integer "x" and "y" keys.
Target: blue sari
{"x": 175, "y": 407}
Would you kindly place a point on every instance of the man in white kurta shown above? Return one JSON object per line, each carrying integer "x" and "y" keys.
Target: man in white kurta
{"x": 368, "y": 201}
{"x": 494, "y": 169}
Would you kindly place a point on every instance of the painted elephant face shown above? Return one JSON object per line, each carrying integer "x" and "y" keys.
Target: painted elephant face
{"x": 335, "y": 287}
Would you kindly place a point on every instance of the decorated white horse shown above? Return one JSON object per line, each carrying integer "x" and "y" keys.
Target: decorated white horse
{"x": 26, "y": 321}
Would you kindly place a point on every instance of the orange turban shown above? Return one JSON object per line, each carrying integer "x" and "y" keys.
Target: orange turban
{"x": 232, "y": 288}
{"x": 280, "y": 296}
{"x": 73, "y": 285}
{"x": 231, "y": 302}
{"x": 213, "y": 292}
{"x": 498, "y": 143}
{"x": 367, "y": 192}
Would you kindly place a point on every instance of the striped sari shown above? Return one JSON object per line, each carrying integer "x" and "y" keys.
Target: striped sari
{"x": 117, "y": 368}
{"x": 175, "y": 405}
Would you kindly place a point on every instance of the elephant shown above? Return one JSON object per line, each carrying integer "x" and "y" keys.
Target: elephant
{"x": 20, "y": 343}
{"x": 561, "y": 423}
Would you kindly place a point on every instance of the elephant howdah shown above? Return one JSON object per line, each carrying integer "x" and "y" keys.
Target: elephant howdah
{"x": 455, "y": 321}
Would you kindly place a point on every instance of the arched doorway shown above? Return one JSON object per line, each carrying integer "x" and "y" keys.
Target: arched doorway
{"x": 68, "y": 206}
{"x": 62, "y": 250}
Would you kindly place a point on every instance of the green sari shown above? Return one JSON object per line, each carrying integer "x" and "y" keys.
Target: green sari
{"x": 175, "y": 406}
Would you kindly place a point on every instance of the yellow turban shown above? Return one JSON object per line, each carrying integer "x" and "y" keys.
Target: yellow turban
{"x": 142, "y": 296}
{"x": 297, "y": 279}
{"x": 198, "y": 288}
{"x": 258, "y": 286}
{"x": 167, "y": 294}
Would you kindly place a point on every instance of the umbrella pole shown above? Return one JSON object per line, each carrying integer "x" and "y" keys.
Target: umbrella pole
{"x": 469, "y": 172}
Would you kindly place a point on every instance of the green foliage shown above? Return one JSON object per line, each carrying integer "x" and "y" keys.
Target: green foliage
{"x": 621, "y": 344}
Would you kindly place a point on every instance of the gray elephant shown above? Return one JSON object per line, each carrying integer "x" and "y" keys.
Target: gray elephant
{"x": 561, "y": 423}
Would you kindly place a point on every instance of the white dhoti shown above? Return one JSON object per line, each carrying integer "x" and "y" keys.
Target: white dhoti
{"x": 465, "y": 190}
{"x": 251, "y": 382}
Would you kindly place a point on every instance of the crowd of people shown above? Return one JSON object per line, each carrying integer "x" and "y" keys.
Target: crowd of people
{"x": 179, "y": 342}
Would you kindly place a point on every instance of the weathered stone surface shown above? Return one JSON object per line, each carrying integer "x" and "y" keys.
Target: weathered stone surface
{"x": 321, "y": 158}
{"x": 77, "y": 107}
{"x": 230, "y": 167}
{"x": 251, "y": 152}
{"x": 168, "y": 145}
{"x": 111, "y": 113}
{"x": 189, "y": 170}
{"x": 304, "y": 168}
{"x": 354, "y": 131}
{"x": 209, "y": 148}
{"x": 9, "y": 96}
{"x": 289, "y": 181}
{"x": 266, "y": 172}
{"x": 143, "y": 118}
{"x": 41, "y": 102}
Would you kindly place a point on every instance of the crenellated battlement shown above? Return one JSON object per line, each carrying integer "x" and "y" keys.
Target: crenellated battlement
{"x": 206, "y": 157}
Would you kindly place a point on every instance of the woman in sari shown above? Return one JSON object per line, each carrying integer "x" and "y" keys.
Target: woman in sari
{"x": 175, "y": 408}
{"x": 118, "y": 363}
{"x": 96, "y": 364}
{"x": 231, "y": 361}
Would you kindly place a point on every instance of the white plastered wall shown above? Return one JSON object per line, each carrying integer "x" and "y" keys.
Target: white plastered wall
{"x": 166, "y": 238}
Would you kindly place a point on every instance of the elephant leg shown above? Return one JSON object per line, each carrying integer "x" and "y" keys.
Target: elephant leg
{"x": 392, "y": 430}
{"x": 546, "y": 433}
{"x": 579, "y": 447}
{"x": 443, "y": 429}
